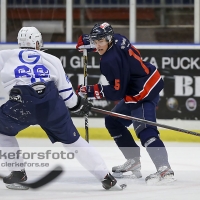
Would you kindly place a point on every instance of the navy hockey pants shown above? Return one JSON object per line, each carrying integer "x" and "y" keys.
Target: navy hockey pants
{"x": 46, "y": 108}
{"x": 148, "y": 134}
{"x": 144, "y": 110}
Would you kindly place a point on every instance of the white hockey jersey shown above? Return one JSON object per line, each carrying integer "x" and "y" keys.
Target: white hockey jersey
{"x": 27, "y": 66}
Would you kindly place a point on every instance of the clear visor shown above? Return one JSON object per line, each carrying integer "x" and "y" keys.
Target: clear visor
{"x": 101, "y": 42}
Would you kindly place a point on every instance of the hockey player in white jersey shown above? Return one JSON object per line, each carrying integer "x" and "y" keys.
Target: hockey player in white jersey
{"x": 41, "y": 93}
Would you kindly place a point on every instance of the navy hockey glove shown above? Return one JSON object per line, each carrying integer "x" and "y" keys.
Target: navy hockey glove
{"x": 84, "y": 43}
{"x": 82, "y": 107}
{"x": 91, "y": 91}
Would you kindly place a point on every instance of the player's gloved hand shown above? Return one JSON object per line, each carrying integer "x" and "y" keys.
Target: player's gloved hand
{"x": 85, "y": 43}
{"x": 82, "y": 107}
{"x": 91, "y": 91}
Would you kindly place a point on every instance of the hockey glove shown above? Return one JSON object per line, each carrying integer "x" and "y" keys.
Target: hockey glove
{"x": 84, "y": 43}
{"x": 82, "y": 107}
{"x": 91, "y": 91}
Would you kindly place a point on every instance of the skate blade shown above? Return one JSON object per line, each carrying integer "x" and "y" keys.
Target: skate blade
{"x": 163, "y": 181}
{"x": 118, "y": 187}
{"x": 129, "y": 176}
{"x": 15, "y": 186}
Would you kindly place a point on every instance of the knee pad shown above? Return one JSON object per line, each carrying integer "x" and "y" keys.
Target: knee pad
{"x": 157, "y": 151}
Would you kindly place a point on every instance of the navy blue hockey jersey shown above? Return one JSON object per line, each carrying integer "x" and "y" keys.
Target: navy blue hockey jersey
{"x": 129, "y": 77}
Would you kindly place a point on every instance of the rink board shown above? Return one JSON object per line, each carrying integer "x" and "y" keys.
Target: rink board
{"x": 187, "y": 57}
{"x": 102, "y": 134}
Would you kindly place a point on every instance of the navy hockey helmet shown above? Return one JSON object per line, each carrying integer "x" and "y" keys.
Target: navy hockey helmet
{"x": 100, "y": 31}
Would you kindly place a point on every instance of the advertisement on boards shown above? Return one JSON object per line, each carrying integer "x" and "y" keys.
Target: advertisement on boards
{"x": 179, "y": 69}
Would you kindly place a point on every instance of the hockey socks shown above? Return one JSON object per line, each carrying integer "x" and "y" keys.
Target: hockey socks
{"x": 91, "y": 160}
{"x": 157, "y": 152}
{"x": 88, "y": 157}
{"x": 122, "y": 137}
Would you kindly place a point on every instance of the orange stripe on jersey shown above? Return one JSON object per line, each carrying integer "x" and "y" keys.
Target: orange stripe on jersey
{"x": 148, "y": 86}
{"x": 131, "y": 53}
{"x": 135, "y": 49}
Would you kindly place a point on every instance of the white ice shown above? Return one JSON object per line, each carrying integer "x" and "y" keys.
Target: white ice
{"x": 77, "y": 183}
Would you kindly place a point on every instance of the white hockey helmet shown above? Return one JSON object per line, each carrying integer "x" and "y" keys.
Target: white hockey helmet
{"x": 28, "y": 36}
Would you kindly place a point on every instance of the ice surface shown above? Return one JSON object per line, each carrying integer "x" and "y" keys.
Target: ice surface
{"x": 77, "y": 183}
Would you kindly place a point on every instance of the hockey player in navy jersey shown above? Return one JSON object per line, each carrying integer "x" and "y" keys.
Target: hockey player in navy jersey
{"x": 41, "y": 93}
{"x": 136, "y": 85}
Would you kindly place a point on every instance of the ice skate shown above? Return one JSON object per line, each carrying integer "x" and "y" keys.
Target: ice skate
{"x": 14, "y": 178}
{"x": 131, "y": 165}
{"x": 163, "y": 176}
{"x": 110, "y": 183}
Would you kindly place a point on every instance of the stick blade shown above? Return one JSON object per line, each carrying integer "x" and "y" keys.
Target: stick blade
{"x": 50, "y": 176}
{"x": 45, "y": 179}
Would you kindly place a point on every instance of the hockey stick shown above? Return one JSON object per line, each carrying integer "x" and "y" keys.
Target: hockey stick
{"x": 143, "y": 121}
{"x": 85, "y": 84}
{"x": 44, "y": 180}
